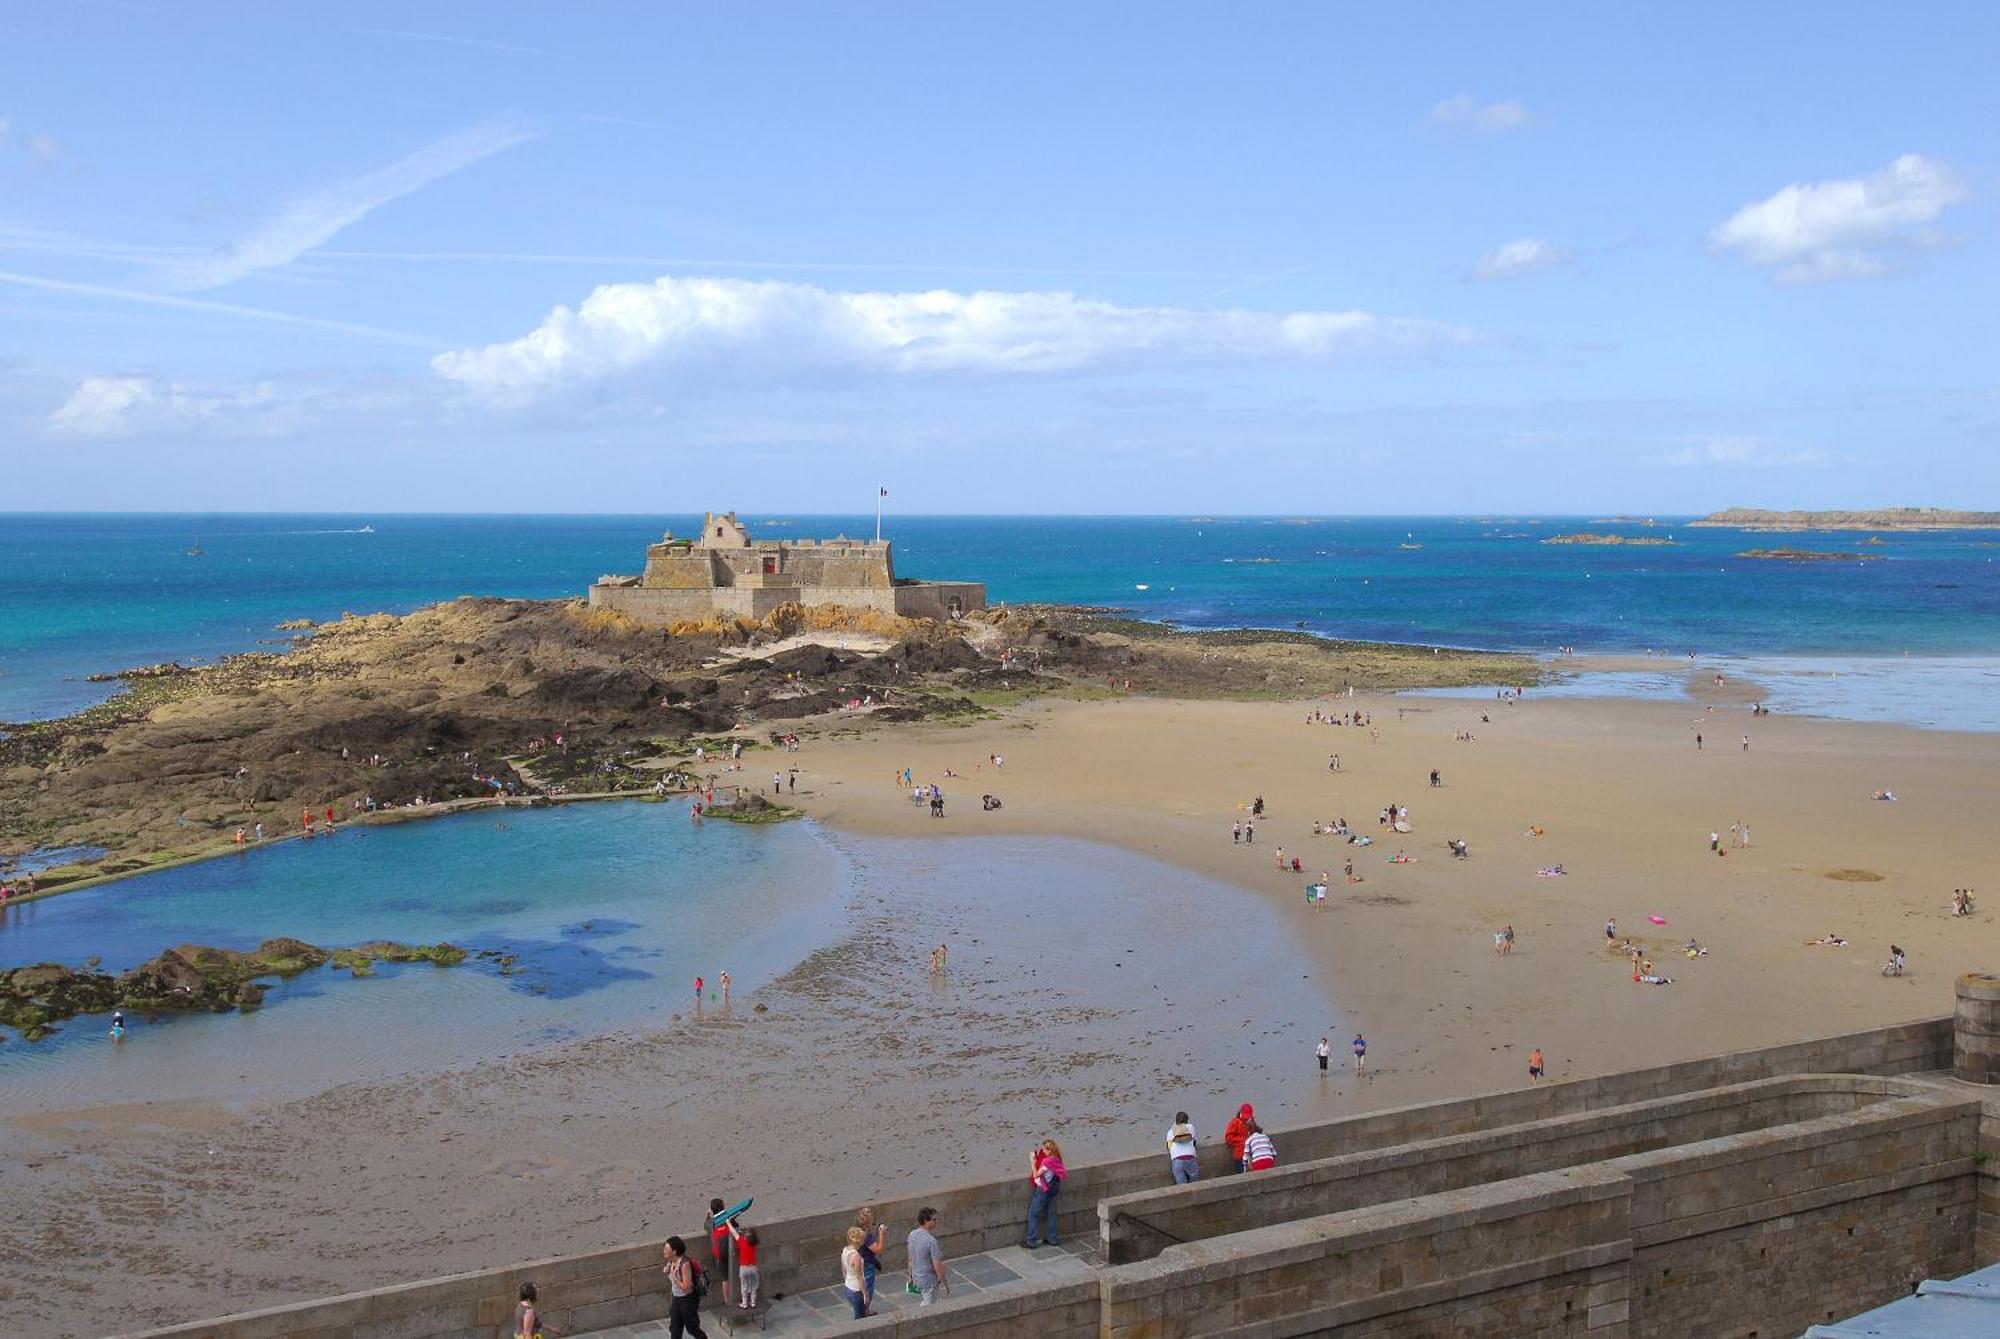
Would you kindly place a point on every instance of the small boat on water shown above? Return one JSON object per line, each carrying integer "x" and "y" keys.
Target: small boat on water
{"x": 1142, "y": 586}
{"x": 365, "y": 530}
{"x": 1409, "y": 546}
{"x": 196, "y": 551}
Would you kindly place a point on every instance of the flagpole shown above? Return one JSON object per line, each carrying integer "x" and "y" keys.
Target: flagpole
{"x": 880, "y": 493}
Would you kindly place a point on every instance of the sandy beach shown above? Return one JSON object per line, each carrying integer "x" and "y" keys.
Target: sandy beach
{"x": 861, "y": 1078}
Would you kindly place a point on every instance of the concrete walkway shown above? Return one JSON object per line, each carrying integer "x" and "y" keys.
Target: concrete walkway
{"x": 824, "y": 1311}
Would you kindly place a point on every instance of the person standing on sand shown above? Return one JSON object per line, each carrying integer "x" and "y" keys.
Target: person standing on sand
{"x": 1236, "y": 1132}
{"x": 1323, "y": 1053}
{"x": 683, "y": 1282}
{"x": 1714, "y": 841}
{"x": 1746, "y": 743}
{"x": 1183, "y": 1157}
{"x": 1281, "y": 857}
{"x": 1236, "y": 832}
{"x": 1360, "y": 1045}
{"x": 1535, "y": 1065}
{"x": 1249, "y": 834}
{"x": 1697, "y": 741}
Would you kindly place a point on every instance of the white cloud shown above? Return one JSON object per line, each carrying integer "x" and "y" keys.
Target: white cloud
{"x": 230, "y": 309}
{"x": 1840, "y": 229}
{"x": 313, "y": 219}
{"x": 776, "y": 329}
{"x": 1465, "y": 112}
{"x": 120, "y": 406}
{"x": 43, "y": 147}
{"x": 1740, "y": 451}
{"x": 1522, "y": 256}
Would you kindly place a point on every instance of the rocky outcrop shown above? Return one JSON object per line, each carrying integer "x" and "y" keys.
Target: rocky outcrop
{"x": 1887, "y": 518}
{"x": 1586, "y": 537}
{"x": 190, "y": 978}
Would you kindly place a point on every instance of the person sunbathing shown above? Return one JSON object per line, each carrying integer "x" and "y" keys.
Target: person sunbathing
{"x": 1827, "y": 941}
{"x": 1648, "y": 979}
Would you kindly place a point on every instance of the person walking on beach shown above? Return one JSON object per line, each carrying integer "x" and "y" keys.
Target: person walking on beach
{"x": 1236, "y": 1132}
{"x": 1281, "y": 857}
{"x": 1715, "y": 842}
{"x": 1697, "y": 741}
{"x": 1047, "y": 1178}
{"x": 1249, "y": 834}
{"x": 1183, "y": 1158}
{"x": 1535, "y": 1065}
{"x": 1323, "y": 1053}
{"x": 1360, "y": 1045}
{"x": 777, "y": 783}
{"x": 1236, "y": 832}
{"x": 927, "y": 1275}
{"x": 684, "y": 1282}
{"x": 1746, "y": 743}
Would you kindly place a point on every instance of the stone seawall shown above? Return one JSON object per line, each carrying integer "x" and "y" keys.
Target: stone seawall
{"x": 1559, "y": 1250}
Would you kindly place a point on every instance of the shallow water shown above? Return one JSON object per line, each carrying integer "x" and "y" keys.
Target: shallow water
{"x": 1929, "y": 692}
{"x": 612, "y": 909}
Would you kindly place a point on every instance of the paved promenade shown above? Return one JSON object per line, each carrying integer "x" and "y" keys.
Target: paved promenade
{"x": 824, "y": 1311}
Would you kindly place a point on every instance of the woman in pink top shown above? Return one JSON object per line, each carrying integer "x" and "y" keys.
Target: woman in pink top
{"x": 1048, "y": 1174}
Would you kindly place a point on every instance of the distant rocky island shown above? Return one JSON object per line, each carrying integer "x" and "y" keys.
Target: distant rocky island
{"x": 1588, "y": 537}
{"x": 1809, "y": 556}
{"x": 1888, "y": 518}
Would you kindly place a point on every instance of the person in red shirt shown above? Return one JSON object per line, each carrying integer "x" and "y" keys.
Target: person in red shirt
{"x": 1236, "y": 1132}
{"x": 718, "y": 1233}
{"x": 746, "y": 1264}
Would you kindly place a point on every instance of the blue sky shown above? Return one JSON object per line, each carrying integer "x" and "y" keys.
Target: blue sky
{"x": 1018, "y": 258}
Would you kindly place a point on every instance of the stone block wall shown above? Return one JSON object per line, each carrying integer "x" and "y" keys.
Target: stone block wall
{"x": 1139, "y": 1226}
{"x": 1536, "y": 1255}
{"x": 1554, "y": 1265}
{"x": 1779, "y": 1229}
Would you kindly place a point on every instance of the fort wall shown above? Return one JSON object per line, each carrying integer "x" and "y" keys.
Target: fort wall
{"x": 1792, "y": 1199}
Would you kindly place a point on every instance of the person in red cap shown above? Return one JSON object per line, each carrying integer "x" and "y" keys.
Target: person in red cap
{"x": 1236, "y": 1132}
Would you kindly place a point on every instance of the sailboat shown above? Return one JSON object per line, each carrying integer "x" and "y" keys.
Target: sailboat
{"x": 196, "y": 551}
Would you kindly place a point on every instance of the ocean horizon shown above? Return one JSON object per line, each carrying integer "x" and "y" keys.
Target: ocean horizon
{"x": 98, "y": 592}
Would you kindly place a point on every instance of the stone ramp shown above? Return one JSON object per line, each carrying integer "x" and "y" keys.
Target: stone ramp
{"x": 824, "y": 1311}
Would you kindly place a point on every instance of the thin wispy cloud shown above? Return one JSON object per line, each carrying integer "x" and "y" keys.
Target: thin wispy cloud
{"x": 756, "y": 263}
{"x": 1463, "y": 112}
{"x": 774, "y": 330}
{"x": 1740, "y": 451}
{"x": 315, "y": 218}
{"x": 1255, "y": 281}
{"x": 1845, "y": 228}
{"x": 449, "y": 39}
{"x": 214, "y": 308}
{"x": 1519, "y": 258}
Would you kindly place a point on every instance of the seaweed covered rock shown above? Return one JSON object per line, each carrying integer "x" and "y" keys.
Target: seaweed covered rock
{"x": 188, "y": 978}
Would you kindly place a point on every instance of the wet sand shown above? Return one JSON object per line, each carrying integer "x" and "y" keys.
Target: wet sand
{"x": 1066, "y": 1009}
{"x": 860, "y": 1079}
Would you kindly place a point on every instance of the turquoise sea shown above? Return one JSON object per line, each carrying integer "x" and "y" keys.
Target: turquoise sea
{"x": 95, "y": 593}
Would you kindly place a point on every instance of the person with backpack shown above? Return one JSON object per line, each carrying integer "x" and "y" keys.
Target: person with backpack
{"x": 687, "y": 1283}
{"x": 1047, "y": 1177}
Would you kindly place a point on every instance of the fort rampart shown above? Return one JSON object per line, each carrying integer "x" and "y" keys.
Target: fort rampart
{"x": 1748, "y": 1194}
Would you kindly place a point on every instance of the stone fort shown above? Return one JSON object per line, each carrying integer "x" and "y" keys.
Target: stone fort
{"x": 723, "y": 571}
{"x": 1749, "y": 1195}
